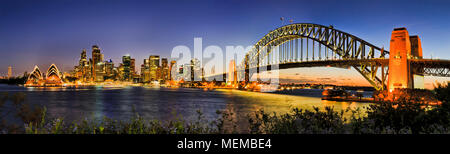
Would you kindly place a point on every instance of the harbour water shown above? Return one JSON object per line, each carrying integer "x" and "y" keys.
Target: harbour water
{"x": 163, "y": 103}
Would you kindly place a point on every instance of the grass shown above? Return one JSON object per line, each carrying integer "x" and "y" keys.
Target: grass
{"x": 401, "y": 117}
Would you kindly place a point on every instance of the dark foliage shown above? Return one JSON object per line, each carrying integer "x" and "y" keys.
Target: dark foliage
{"x": 404, "y": 116}
{"x": 14, "y": 81}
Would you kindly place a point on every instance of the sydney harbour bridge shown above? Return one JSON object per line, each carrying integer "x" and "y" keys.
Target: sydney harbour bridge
{"x": 313, "y": 45}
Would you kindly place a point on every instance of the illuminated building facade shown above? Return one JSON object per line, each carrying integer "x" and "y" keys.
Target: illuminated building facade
{"x": 171, "y": 70}
{"x": 185, "y": 72}
{"x": 83, "y": 70}
{"x": 109, "y": 70}
{"x": 154, "y": 68}
{"x": 100, "y": 72}
{"x": 196, "y": 70}
{"x": 120, "y": 72}
{"x": 133, "y": 67}
{"x": 145, "y": 71}
{"x": 164, "y": 69}
{"x": 95, "y": 67}
{"x": 9, "y": 72}
{"x": 126, "y": 66}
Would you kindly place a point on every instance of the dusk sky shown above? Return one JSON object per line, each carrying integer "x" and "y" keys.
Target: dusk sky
{"x": 40, "y": 32}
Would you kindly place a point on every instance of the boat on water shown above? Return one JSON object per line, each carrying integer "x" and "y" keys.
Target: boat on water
{"x": 343, "y": 95}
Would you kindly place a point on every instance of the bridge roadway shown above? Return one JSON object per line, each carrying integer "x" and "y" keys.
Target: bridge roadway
{"x": 432, "y": 67}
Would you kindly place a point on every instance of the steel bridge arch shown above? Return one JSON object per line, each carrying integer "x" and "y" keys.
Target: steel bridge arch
{"x": 344, "y": 45}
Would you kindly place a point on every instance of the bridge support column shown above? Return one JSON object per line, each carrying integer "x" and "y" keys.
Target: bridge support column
{"x": 399, "y": 67}
{"x": 417, "y": 72}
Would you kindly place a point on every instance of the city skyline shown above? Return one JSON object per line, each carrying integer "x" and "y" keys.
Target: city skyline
{"x": 145, "y": 27}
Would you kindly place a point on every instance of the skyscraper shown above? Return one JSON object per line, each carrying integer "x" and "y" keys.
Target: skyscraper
{"x": 171, "y": 70}
{"x": 83, "y": 58}
{"x": 154, "y": 67}
{"x": 100, "y": 71}
{"x": 145, "y": 71}
{"x": 109, "y": 69}
{"x": 9, "y": 72}
{"x": 132, "y": 67}
{"x": 82, "y": 71}
{"x": 96, "y": 59}
{"x": 142, "y": 72}
{"x": 164, "y": 69}
{"x": 196, "y": 71}
{"x": 126, "y": 64}
{"x": 96, "y": 55}
{"x": 186, "y": 72}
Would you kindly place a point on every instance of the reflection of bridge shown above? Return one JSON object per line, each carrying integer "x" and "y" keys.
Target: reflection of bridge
{"x": 311, "y": 45}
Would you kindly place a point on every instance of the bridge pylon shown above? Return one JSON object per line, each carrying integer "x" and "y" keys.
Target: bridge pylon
{"x": 402, "y": 48}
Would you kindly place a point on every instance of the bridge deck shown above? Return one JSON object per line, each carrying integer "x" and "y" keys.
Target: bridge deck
{"x": 423, "y": 63}
{"x": 431, "y": 63}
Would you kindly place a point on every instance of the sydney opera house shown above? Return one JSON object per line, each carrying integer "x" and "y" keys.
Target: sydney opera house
{"x": 51, "y": 78}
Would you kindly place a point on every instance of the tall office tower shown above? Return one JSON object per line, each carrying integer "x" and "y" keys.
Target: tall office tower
{"x": 171, "y": 70}
{"x": 145, "y": 71}
{"x": 196, "y": 70}
{"x": 154, "y": 67}
{"x": 100, "y": 72}
{"x": 164, "y": 69}
{"x": 82, "y": 70}
{"x": 96, "y": 55}
{"x": 9, "y": 72}
{"x": 90, "y": 75}
{"x": 142, "y": 72}
{"x": 109, "y": 66}
{"x": 187, "y": 74}
{"x": 96, "y": 58}
{"x": 126, "y": 64}
{"x": 119, "y": 72}
{"x": 83, "y": 58}
{"x": 133, "y": 67}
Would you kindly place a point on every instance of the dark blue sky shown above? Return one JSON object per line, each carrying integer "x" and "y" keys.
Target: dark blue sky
{"x": 44, "y": 32}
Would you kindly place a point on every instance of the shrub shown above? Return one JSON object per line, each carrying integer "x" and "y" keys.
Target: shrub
{"x": 400, "y": 117}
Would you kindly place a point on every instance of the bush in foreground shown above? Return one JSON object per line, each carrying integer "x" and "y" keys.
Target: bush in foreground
{"x": 401, "y": 117}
